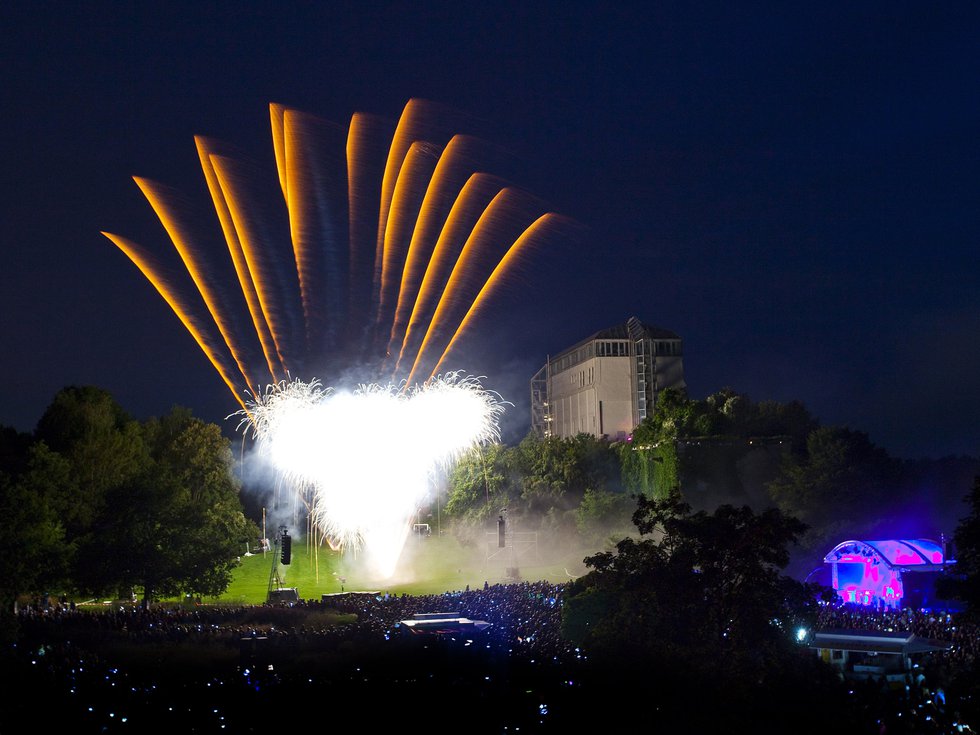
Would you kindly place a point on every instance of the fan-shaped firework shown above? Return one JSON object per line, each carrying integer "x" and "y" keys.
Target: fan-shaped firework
{"x": 367, "y": 274}
{"x": 370, "y": 271}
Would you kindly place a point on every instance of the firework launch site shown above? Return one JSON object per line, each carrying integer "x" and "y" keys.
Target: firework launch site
{"x": 427, "y": 565}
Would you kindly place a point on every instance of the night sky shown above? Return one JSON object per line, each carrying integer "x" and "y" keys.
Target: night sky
{"x": 792, "y": 189}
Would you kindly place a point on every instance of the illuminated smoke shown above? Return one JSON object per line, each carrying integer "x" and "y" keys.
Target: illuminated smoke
{"x": 367, "y": 458}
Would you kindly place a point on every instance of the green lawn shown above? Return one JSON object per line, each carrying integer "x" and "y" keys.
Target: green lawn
{"x": 427, "y": 566}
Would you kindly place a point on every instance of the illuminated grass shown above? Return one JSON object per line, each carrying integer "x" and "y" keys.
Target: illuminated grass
{"x": 436, "y": 569}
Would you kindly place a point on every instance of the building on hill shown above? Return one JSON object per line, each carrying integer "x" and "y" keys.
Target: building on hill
{"x": 606, "y": 384}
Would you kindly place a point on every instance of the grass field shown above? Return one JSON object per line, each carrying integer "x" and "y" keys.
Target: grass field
{"x": 427, "y": 566}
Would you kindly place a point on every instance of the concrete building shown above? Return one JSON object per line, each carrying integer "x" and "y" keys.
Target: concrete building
{"x": 606, "y": 384}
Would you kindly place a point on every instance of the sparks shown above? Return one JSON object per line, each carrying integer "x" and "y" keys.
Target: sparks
{"x": 366, "y": 458}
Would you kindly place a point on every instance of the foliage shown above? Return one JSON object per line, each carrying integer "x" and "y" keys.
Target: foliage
{"x": 14, "y": 446}
{"x": 602, "y": 513}
{"x": 701, "y": 595}
{"x": 842, "y": 475}
{"x": 542, "y": 483}
{"x": 478, "y": 483}
{"x": 722, "y": 449}
{"x": 33, "y": 553}
{"x": 695, "y": 580}
{"x": 965, "y": 583}
{"x": 177, "y": 527}
{"x": 650, "y": 469}
{"x": 97, "y": 502}
{"x": 556, "y": 472}
{"x": 102, "y": 446}
{"x": 479, "y": 486}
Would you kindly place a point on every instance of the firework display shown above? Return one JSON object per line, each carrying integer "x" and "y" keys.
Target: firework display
{"x": 363, "y": 263}
{"x": 364, "y": 267}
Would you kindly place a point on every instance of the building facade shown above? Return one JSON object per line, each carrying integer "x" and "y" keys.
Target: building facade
{"x": 606, "y": 384}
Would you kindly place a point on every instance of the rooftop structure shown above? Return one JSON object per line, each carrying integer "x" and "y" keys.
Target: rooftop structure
{"x": 874, "y": 654}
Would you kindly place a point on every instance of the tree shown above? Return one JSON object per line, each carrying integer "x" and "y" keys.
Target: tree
{"x": 838, "y": 486}
{"x": 772, "y": 419}
{"x": 555, "y": 472}
{"x": 965, "y": 583}
{"x": 649, "y": 468}
{"x": 542, "y": 483}
{"x": 697, "y": 603}
{"x": 601, "y": 513}
{"x": 725, "y": 448}
{"x": 33, "y": 553}
{"x": 478, "y": 486}
{"x": 713, "y": 578}
{"x": 177, "y": 526}
{"x": 104, "y": 449}
{"x": 14, "y": 446}
{"x": 549, "y": 470}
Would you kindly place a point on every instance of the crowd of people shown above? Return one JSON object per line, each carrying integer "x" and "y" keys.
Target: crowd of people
{"x": 938, "y": 625}
{"x": 524, "y": 619}
{"x": 937, "y": 689}
{"x": 342, "y": 649}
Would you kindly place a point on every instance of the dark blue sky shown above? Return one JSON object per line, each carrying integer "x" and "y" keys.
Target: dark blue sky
{"x": 792, "y": 190}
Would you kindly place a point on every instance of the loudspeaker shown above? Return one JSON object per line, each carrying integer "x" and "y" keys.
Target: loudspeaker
{"x": 287, "y": 550}
{"x": 501, "y": 540}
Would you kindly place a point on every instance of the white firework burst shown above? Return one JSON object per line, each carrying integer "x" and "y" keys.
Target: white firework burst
{"x": 365, "y": 459}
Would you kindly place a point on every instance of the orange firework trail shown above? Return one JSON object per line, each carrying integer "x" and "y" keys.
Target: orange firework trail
{"x": 133, "y": 251}
{"x": 382, "y": 252}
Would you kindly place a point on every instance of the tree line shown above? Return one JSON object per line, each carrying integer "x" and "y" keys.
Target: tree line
{"x": 95, "y": 503}
{"x": 724, "y": 449}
